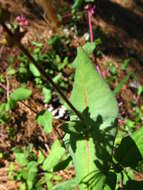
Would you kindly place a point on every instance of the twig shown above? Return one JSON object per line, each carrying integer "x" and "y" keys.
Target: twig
{"x": 3, "y": 87}
{"x": 7, "y": 87}
{"x": 34, "y": 111}
{"x": 1, "y": 51}
{"x": 45, "y": 76}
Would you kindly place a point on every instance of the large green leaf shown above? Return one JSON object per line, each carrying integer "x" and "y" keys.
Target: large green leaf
{"x": 130, "y": 151}
{"x": 20, "y": 94}
{"x": 90, "y": 90}
{"x": 111, "y": 180}
{"x": 84, "y": 157}
{"x": 67, "y": 185}
{"x": 55, "y": 156}
{"x": 91, "y": 150}
{"x": 88, "y": 48}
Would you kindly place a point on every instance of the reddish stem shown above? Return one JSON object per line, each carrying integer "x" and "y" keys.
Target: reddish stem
{"x": 90, "y": 25}
{"x": 3, "y": 86}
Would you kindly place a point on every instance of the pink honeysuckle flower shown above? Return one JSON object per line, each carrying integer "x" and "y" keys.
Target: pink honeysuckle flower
{"x": 22, "y": 21}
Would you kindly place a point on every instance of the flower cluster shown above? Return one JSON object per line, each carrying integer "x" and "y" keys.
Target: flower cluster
{"x": 22, "y": 21}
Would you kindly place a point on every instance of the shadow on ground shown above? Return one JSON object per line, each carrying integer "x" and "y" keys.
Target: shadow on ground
{"x": 121, "y": 17}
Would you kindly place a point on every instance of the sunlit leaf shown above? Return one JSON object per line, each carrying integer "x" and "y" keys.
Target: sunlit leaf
{"x": 67, "y": 185}
{"x": 34, "y": 70}
{"x": 56, "y": 153}
{"x": 21, "y": 159}
{"x": 94, "y": 100}
{"x": 47, "y": 94}
{"x": 20, "y": 94}
{"x": 44, "y": 119}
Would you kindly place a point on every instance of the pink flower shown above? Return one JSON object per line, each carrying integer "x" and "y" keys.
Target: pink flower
{"x": 120, "y": 122}
{"x": 98, "y": 70}
{"x": 105, "y": 74}
{"x": 91, "y": 9}
{"x": 22, "y": 21}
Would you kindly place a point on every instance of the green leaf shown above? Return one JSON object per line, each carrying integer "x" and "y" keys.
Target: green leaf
{"x": 20, "y": 94}
{"x": 57, "y": 178}
{"x": 41, "y": 157}
{"x": 64, "y": 64}
{"x": 86, "y": 170}
{"x": 71, "y": 127}
{"x": 140, "y": 90}
{"x": 56, "y": 154}
{"x": 67, "y": 185}
{"x": 38, "y": 186}
{"x": 11, "y": 104}
{"x": 130, "y": 151}
{"x": 91, "y": 89}
{"x": 110, "y": 181}
{"x": 57, "y": 78}
{"x": 92, "y": 97}
{"x": 125, "y": 64}
{"x": 34, "y": 70}
{"x": 11, "y": 71}
{"x": 77, "y": 4}
{"x": 94, "y": 180}
{"x": 4, "y": 117}
{"x": 63, "y": 164}
{"x": 47, "y": 179}
{"x": 32, "y": 170}
{"x": 89, "y": 47}
{"x": 21, "y": 159}
{"x": 37, "y": 44}
{"x": 23, "y": 186}
{"x": 47, "y": 94}
{"x": 121, "y": 84}
{"x": 44, "y": 119}
{"x": 11, "y": 169}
